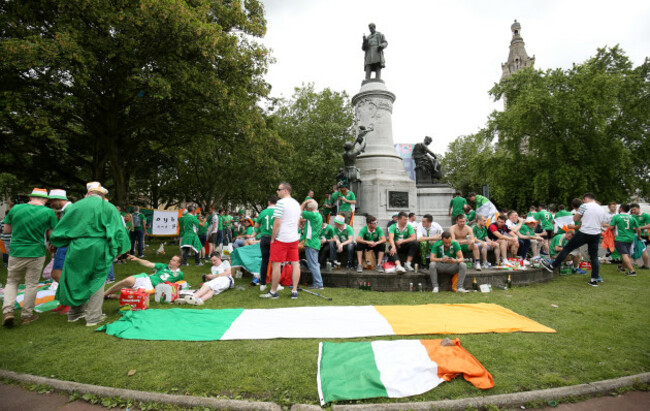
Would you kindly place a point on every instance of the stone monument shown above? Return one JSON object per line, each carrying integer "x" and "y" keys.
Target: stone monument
{"x": 350, "y": 176}
{"x": 386, "y": 187}
{"x": 427, "y": 166}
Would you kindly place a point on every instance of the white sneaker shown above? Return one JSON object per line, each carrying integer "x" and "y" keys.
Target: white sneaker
{"x": 477, "y": 266}
{"x": 263, "y": 287}
{"x": 189, "y": 299}
{"x": 400, "y": 269}
{"x": 280, "y": 288}
{"x": 461, "y": 290}
{"x": 408, "y": 267}
{"x": 198, "y": 301}
{"x": 435, "y": 290}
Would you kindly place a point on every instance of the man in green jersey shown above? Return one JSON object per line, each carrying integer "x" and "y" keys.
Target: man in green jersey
{"x": 546, "y": 221}
{"x": 326, "y": 208}
{"x": 371, "y": 238}
{"x": 346, "y": 201}
{"x": 139, "y": 231}
{"x": 326, "y": 237}
{"x": 94, "y": 233}
{"x": 643, "y": 221}
{"x": 625, "y": 229}
{"x": 557, "y": 245}
{"x": 224, "y": 215}
{"x": 29, "y": 224}
{"x": 456, "y": 206}
{"x": 447, "y": 258}
{"x": 484, "y": 242}
{"x": 402, "y": 238}
{"x": 170, "y": 272}
{"x": 264, "y": 224}
{"x": 311, "y": 235}
{"x": 343, "y": 241}
{"x": 190, "y": 239}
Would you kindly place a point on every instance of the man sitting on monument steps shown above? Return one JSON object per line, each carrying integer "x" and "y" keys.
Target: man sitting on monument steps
{"x": 402, "y": 238}
{"x": 464, "y": 235}
{"x": 346, "y": 201}
{"x": 343, "y": 241}
{"x": 371, "y": 238}
{"x": 447, "y": 258}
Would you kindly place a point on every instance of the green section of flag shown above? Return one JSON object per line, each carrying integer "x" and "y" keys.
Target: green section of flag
{"x": 349, "y": 371}
{"x": 177, "y": 324}
{"x": 249, "y": 257}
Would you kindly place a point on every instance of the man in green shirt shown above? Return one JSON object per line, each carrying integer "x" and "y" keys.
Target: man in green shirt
{"x": 546, "y": 221}
{"x": 29, "y": 225}
{"x": 170, "y": 272}
{"x": 447, "y": 258}
{"x": 346, "y": 201}
{"x": 643, "y": 221}
{"x": 190, "y": 239}
{"x": 456, "y": 206}
{"x": 311, "y": 234}
{"x": 343, "y": 241}
{"x": 402, "y": 238}
{"x": 264, "y": 224}
{"x": 625, "y": 229}
{"x": 557, "y": 245}
{"x": 326, "y": 237}
{"x": 484, "y": 242}
{"x": 139, "y": 231}
{"x": 326, "y": 208}
{"x": 94, "y": 233}
{"x": 224, "y": 215}
{"x": 371, "y": 238}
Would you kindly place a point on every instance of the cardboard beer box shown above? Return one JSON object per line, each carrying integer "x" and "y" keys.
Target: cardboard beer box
{"x": 167, "y": 292}
{"x": 137, "y": 299}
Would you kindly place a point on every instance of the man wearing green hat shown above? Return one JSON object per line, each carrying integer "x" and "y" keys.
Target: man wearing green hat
{"x": 29, "y": 225}
{"x": 93, "y": 231}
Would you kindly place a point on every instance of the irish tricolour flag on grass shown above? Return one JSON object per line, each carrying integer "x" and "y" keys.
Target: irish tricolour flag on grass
{"x": 395, "y": 369}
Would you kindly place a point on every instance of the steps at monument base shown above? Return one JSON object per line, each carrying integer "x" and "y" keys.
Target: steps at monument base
{"x": 401, "y": 282}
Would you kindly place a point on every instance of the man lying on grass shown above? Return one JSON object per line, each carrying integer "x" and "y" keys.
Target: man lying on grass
{"x": 220, "y": 280}
{"x": 169, "y": 272}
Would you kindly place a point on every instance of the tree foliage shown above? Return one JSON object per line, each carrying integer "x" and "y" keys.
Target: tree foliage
{"x": 565, "y": 132}
{"x": 110, "y": 90}
{"x": 315, "y": 125}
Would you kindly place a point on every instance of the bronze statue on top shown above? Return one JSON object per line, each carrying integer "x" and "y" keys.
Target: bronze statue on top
{"x": 427, "y": 166}
{"x": 374, "y": 46}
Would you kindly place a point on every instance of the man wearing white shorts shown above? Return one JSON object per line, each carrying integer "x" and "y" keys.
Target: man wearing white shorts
{"x": 163, "y": 272}
{"x": 219, "y": 281}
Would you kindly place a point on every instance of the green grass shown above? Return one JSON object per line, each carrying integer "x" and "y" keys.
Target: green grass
{"x": 601, "y": 333}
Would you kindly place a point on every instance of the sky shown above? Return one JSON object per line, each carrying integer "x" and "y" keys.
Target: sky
{"x": 442, "y": 56}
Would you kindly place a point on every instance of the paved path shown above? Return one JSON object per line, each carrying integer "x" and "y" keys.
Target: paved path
{"x": 631, "y": 401}
{"x": 14, "y": 397}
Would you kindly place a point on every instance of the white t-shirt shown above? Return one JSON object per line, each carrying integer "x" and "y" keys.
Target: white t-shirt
{"x": 221, "y": 268}
{"x": 214, "y": 224}
{"x": 288, "y": 210}
{"x": 434, "y": 229}
{"x": 593, "y": 216}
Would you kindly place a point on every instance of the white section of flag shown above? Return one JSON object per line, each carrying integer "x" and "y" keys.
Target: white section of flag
{"x": 309, "y": 322}
{"x": 405, "y": 367}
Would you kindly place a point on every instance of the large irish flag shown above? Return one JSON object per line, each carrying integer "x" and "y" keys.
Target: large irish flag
{"x": 395, "y": 369}
{"x": 185, "y": 324}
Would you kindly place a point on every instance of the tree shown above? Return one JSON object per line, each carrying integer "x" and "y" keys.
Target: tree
{"x": 315, "y": 125}
{"x": 94, "y": 90}
{"x": 566, "y": 132}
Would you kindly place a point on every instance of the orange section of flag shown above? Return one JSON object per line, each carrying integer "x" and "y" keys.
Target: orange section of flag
{"x": 454, "y": 360}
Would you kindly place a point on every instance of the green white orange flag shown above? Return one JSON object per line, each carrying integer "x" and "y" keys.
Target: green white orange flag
{"x": 394, "y": 369}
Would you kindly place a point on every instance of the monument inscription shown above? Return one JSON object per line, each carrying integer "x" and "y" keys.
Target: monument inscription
{"x": 398, "y": 200}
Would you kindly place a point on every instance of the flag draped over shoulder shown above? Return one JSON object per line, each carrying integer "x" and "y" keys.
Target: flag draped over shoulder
{"x": 93, "y": 231}
{"x": 394, "y": 369}
{"x": 488, "y": 210}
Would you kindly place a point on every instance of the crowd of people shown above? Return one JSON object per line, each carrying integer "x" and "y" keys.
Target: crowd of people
{"x": 87, "y": 237}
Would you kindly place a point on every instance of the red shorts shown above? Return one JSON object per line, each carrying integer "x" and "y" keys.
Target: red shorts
{"x": 281, "y": 252}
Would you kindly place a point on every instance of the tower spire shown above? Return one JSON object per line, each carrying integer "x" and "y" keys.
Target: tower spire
{"x": 517, "y": 58}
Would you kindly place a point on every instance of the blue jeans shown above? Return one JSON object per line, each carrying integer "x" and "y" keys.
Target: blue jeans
{"x": 314, "y": 266}
{"x": 238, "y": 243}
{"x": 227, "y": 236}
{"x": 578, "y": 240}
{"x": 111, "y": 274}
{"x": 137, "y": 235}
{"x": 349, "y": 248}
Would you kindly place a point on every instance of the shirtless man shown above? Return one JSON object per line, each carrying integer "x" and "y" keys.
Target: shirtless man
{"x": 464, "y": 235}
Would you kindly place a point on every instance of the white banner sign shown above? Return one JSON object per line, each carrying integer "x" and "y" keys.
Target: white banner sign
{"x": 164, "y": 223}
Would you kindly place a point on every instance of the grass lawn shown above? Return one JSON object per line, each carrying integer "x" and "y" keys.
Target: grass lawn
{"x": 602, "y": 333}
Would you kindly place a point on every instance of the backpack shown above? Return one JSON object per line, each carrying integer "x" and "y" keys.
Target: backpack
{"x": 136, "y": 220}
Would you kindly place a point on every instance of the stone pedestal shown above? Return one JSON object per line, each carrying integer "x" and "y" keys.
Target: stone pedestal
{"x": 385, "y": 187}
{"x": 435, "y": 200}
